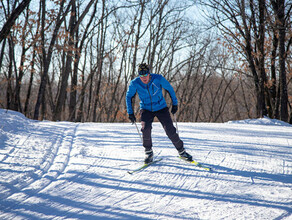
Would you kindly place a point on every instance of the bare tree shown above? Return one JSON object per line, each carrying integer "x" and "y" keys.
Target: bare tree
{"x": 12, "y": 18}
{"x": 47, "y": 55}
{"x": 73, "y": 60}
{"x": 73, "y": 27}
{"x": 281, "y": 27}
{"x": 243, "y": 24}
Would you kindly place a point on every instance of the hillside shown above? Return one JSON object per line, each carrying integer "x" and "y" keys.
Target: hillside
{"x": 64, "y": 170}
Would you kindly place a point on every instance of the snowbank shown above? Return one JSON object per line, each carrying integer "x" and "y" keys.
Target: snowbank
{"x": 261, "y": 121}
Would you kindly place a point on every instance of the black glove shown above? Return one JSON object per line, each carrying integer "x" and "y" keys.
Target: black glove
{"x": 174, "y": 109}
{"x": 132, "y": 118}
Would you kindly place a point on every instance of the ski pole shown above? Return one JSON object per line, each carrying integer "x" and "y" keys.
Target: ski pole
{"x": 138, "y": 132}
{"x": 174, "y": 117}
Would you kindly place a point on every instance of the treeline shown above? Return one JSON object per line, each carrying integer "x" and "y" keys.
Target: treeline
{"x": 73, "y": 60}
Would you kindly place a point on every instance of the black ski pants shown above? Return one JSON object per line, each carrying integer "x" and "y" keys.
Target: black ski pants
{"x": 164, "y": 117}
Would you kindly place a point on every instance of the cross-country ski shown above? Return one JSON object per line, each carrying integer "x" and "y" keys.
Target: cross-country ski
{"x": 197, "y": 164}
{"x": 144, "y": 166}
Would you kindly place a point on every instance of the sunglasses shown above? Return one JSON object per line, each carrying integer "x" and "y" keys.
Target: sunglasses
{"x": 143, "y": 73}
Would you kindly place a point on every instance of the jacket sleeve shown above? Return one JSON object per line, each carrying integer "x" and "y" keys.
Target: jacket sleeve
{"x": 166, "y": 85}
{"x": 130, "y": 94}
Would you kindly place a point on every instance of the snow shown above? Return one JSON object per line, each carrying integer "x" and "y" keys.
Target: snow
{"x": 64, "y": 170}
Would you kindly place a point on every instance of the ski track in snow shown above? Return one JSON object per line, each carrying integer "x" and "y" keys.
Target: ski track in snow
{"x": 64, "y": 170}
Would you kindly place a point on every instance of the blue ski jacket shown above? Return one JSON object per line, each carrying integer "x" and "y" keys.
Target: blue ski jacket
{"x": 151, "y": 97}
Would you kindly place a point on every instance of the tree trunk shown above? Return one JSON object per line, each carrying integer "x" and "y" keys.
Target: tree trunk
{"x": 282, "y": 57}
{"x": 9, "y": 91}
{"x": 273, "y": 89}
{"x": 261, "y": 50}
{"x": 73, "y": 90}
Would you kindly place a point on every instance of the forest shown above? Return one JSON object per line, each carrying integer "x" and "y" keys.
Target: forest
{"x": 73, "y": 60}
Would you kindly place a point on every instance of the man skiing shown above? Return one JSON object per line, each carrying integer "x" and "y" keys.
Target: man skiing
{"x": 152, "y": 104}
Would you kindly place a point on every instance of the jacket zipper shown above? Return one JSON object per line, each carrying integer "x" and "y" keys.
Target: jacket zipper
{"x": 150, "y": 97}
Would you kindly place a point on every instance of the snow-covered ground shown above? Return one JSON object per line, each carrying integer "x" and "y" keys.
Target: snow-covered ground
{"x": 63, "y": 170}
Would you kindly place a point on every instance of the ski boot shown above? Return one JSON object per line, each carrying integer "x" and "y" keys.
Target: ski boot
{"x": 148, "y": 157}
{"x": 185, "y": 156}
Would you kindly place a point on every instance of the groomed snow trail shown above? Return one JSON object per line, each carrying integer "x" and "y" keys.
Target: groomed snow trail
{"x": 63, "y": 170}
